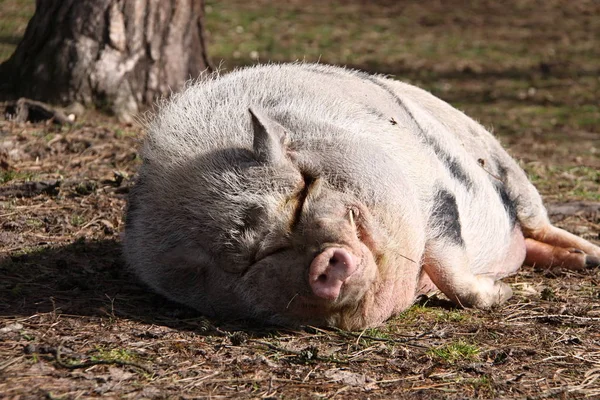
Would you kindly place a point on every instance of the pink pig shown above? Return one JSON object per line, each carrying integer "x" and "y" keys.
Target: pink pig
{"x": 309, "y": 194}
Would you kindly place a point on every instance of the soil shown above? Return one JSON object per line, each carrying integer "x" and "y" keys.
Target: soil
{"x": 74, "y": 323}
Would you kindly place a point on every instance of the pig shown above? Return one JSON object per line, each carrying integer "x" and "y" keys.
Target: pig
{"x": 310, "y": 194}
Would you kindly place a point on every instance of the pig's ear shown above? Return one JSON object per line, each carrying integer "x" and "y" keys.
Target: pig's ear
{"x": 269, "y": 138}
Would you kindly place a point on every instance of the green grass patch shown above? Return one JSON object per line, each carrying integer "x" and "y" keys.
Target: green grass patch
{"x": 113, "y": 354}
{"x": 451, "y": 316}
{"x": 455, "y": 352}
{"x": 416, "y": 313}
{"x": 86, "y": 187}
{"x": 35, "y": 223}
{"x": 483, "y": 385}
{"x": 123, "y": 133}
{"x": 374, "y": 35}
{"x": 77, "y": 220}
{"x": 7, "y": 176}
{"x": 15, "y": 16}
{"x": 10, "y": 175}
{"x": 565, "y": 182}
{"x": 24, "y": 251}
{"x": 380, "y": 333}
{"x": 548, "y": 116}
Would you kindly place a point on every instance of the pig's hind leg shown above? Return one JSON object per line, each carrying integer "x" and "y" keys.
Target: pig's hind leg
{"x": 547, "y": 245}
{"x": 553, "y": 247}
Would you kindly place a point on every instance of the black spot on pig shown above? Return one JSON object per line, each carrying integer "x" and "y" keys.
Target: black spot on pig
{"x": 383, "y": 86}
{"x": 502, "y": 170}
{"x": 445, "y": 217}
{"x": 456, "y": 170}
{"x": 451, "y": 163}
{"x": 510, "y": 205}
{"x": 376, "y": 113}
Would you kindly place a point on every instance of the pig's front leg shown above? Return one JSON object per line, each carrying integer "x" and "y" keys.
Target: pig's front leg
{"x": 448, "y": 266}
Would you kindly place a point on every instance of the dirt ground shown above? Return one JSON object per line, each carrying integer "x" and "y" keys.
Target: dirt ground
{"x": 74, "y": 323}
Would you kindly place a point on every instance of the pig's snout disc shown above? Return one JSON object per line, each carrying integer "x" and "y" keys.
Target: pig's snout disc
{"x": 329, "y": 270}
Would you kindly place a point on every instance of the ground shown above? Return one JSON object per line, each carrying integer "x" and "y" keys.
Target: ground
{"x": 74, "y": 323}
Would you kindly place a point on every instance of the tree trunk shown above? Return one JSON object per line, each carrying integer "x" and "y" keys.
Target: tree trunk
{"x": 114, "y": 54}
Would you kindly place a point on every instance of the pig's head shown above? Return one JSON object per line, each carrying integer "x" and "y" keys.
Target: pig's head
{"x": 272, "y": 234}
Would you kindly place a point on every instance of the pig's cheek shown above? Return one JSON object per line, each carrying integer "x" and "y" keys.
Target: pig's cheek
{"x": 370, "y": 264}
{"x": 272, "y": 284}
{"x": 361, "y": 282}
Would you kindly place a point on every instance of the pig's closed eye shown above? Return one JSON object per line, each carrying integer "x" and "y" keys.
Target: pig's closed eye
{"x": 261, "y": 254}
{"x": 307, "y": 181}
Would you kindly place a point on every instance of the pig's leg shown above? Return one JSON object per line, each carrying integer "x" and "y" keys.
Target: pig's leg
{"x": 448, "y": 267}
{"x": 547, "y": 245}
{"x": 449, "y": 264}
{"x": 554, "y": 247}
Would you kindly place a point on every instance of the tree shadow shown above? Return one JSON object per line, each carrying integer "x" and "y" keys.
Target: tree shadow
{"x": 90, "y": 278}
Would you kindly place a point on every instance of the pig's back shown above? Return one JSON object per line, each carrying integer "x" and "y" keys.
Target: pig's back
{"x": 302, "y": 97}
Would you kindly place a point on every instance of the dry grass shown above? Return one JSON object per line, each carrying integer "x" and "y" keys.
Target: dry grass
{"x": 75, "y": 324}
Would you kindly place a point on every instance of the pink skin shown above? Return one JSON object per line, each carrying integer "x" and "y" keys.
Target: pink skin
{"x": 329, "y": 270}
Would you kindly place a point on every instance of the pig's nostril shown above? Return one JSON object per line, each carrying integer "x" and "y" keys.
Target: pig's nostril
{"x": 329, "y": 271}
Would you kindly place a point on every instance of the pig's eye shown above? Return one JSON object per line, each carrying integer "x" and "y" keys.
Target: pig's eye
{"x": 307, "y": 181}
{"x": 261, "y": 254}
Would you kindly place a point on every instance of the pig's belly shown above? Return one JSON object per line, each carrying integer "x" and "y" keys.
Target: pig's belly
{"x": 508, "y": 264}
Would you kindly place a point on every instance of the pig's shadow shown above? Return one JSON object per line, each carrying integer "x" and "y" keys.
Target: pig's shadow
{"x": 89, "y": 278}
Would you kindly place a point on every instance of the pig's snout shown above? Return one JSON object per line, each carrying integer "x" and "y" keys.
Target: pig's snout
{"x": 329, "y": 270}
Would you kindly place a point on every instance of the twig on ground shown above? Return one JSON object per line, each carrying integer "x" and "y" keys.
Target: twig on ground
{"x": 298, "y": 353}
{"x": 557, "y": 316}
{"x": 404, "y": 340}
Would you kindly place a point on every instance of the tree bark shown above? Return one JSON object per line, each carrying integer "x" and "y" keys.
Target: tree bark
{"x": 115, "y": 54}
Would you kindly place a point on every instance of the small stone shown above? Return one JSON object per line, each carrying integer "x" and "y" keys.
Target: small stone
{"x": 11, "y": 328}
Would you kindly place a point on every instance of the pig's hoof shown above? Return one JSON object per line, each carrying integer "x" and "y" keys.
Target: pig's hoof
{"x": 592, "y": 261}
{"x": 504, "y": 292}
{"x": 490, "y": 293}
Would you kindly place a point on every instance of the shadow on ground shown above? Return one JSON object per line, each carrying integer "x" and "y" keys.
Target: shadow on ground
{"x": 84, "y": 278}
